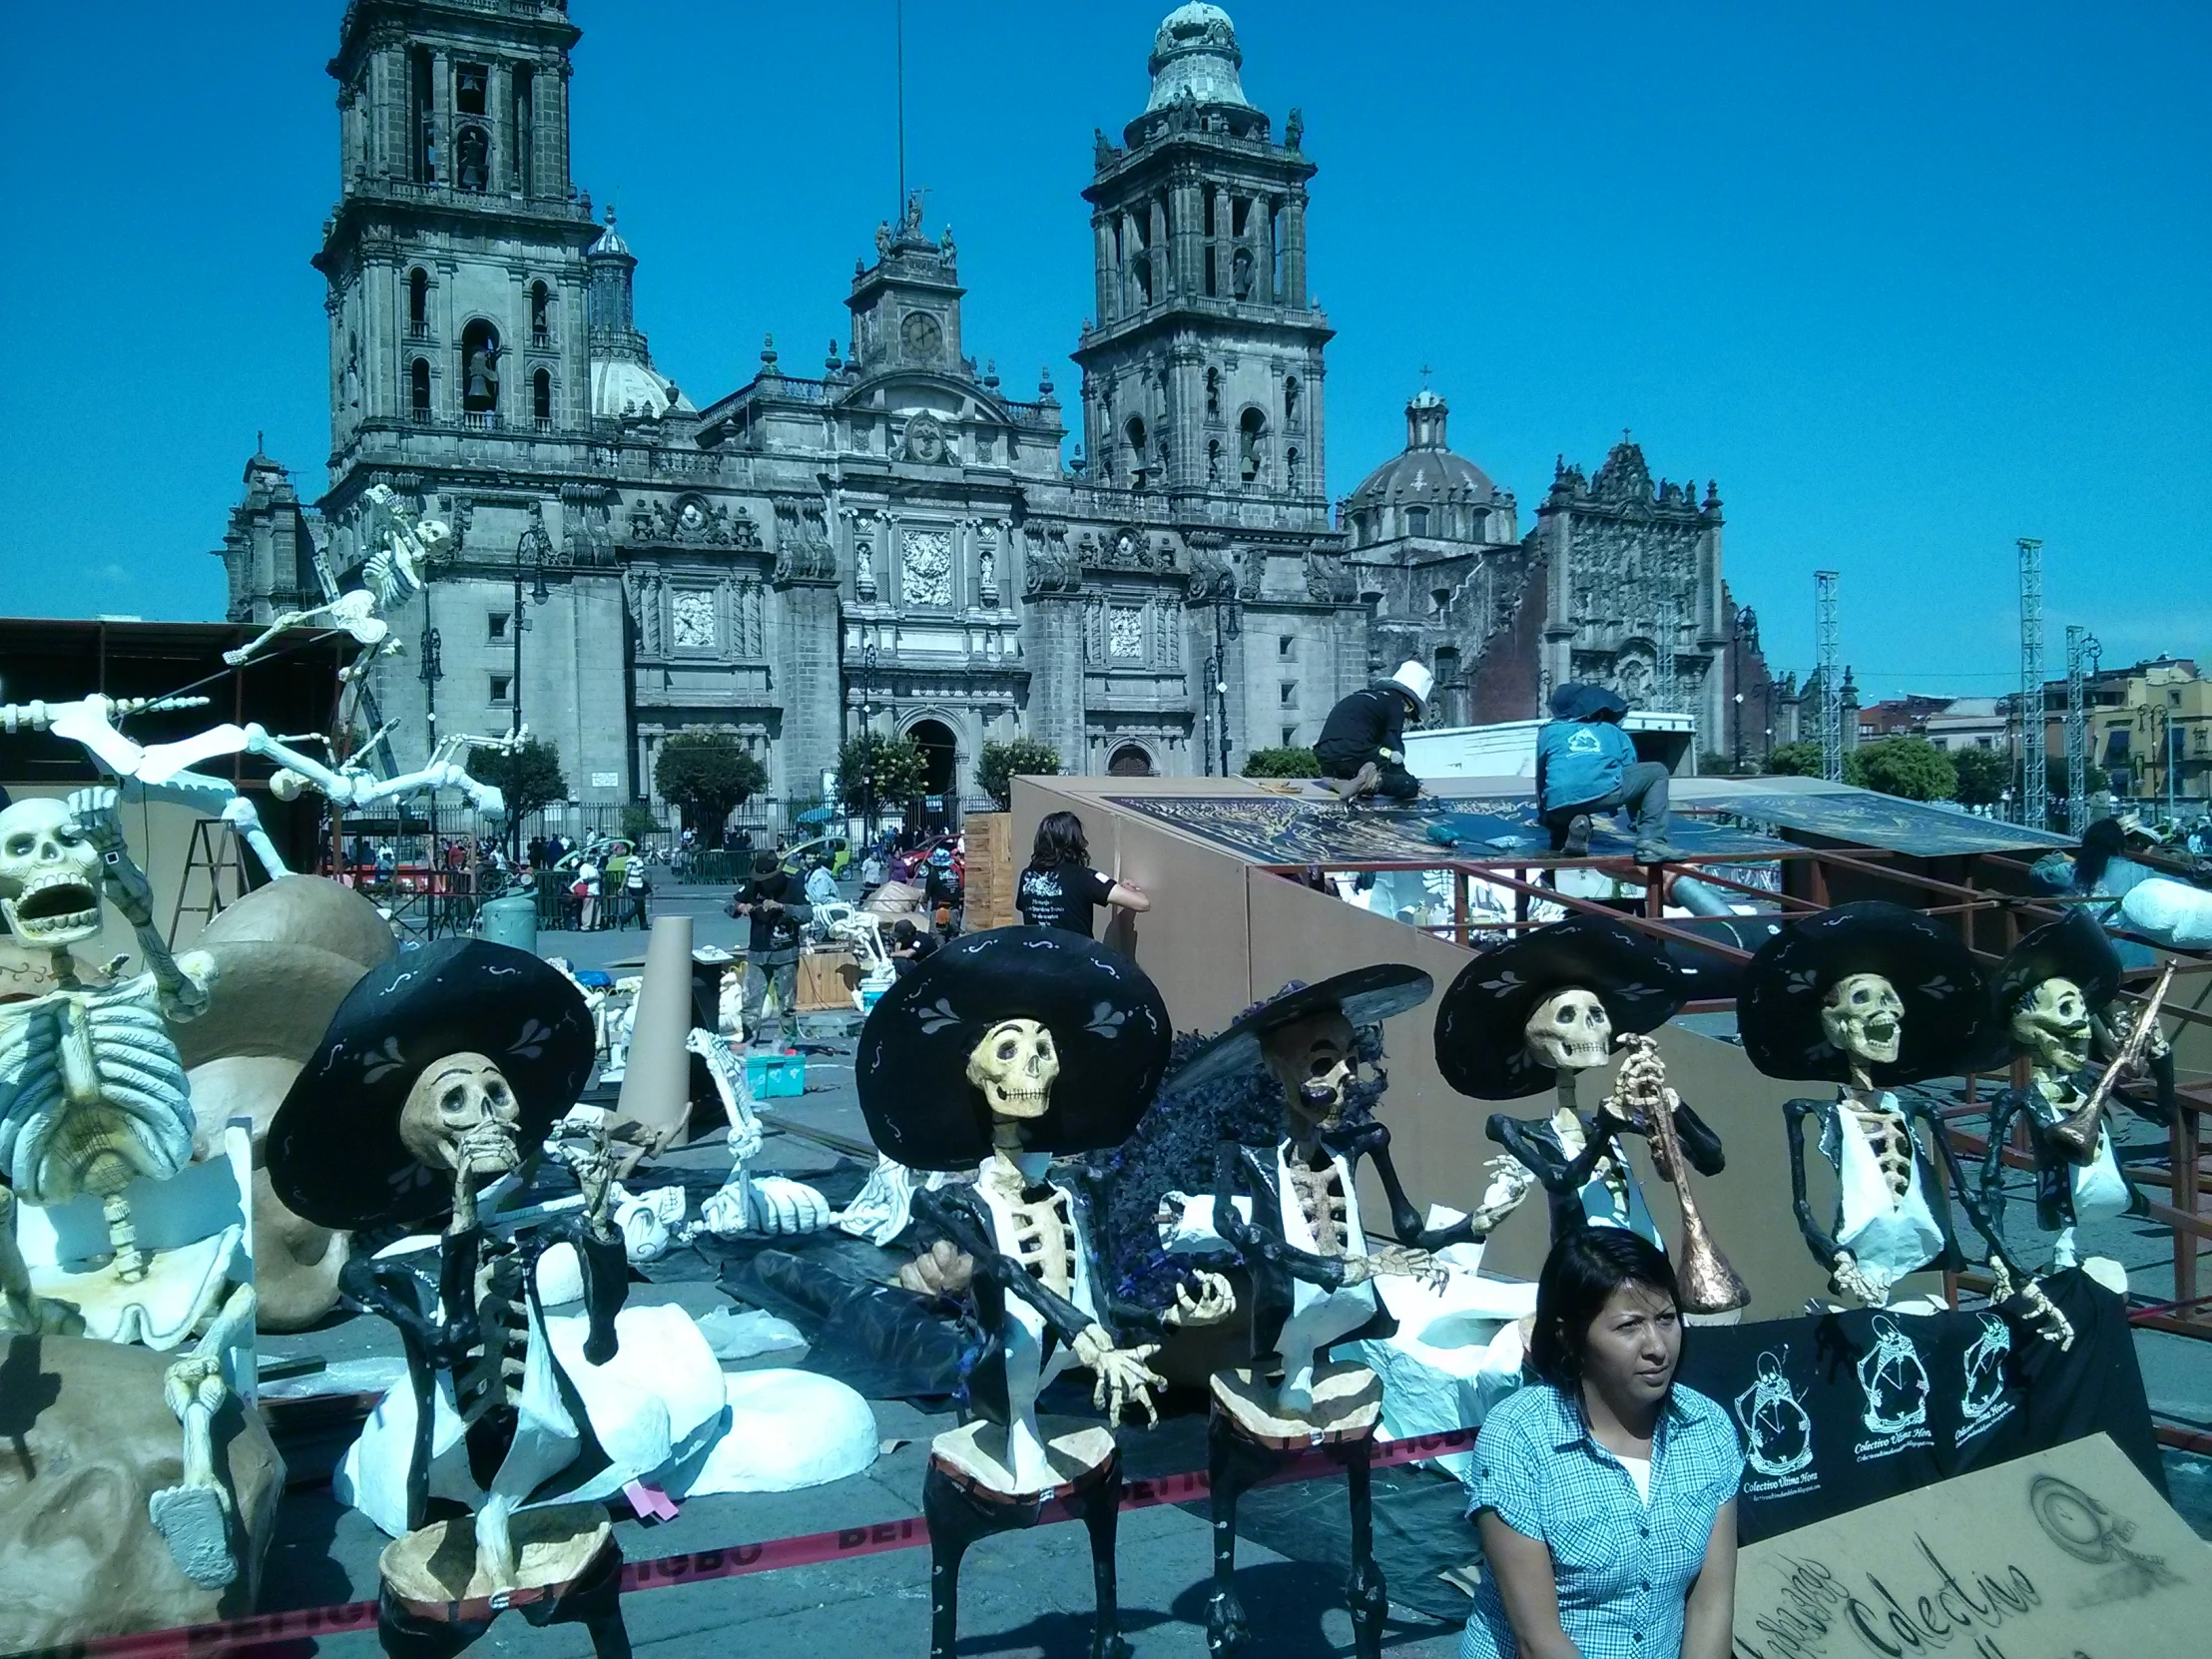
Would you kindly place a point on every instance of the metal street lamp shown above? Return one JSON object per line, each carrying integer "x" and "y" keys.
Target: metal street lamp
{"x": 532, "y": 550}
{"x": 1746, "y": 629}
{"x": 867, "y": 728}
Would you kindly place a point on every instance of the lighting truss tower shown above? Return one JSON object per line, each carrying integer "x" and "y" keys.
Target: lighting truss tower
{"x": 1831, "y": 676}
{"x": 2034, "y": 767}
{"x": 2081, "y": 649}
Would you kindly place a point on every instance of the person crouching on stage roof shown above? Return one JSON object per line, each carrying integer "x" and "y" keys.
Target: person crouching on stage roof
{"x": 1362, "y": 748}
{"x": 1586, "y": 766}
{"x": 1605, "y": 1492}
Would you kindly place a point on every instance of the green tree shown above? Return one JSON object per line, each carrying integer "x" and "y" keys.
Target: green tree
{"x": 2096, "y": 778}
{"x": 529, "y": 777}
{"x": 876, "y": 772}
{"x": 709, "y": 774}
{"x": 1912, "y": 767}
{"x": 1983, "y": 774}
{"x": 638, "y": 821}
{"x": 1000, "y": 763}
{"x": 1795, "y": 760}
{"x": 1281, "y": 763}
{"x": 1713, "y": 764}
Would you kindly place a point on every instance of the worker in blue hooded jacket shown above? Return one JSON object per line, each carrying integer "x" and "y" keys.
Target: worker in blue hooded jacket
{"x": 1586, "y": 764}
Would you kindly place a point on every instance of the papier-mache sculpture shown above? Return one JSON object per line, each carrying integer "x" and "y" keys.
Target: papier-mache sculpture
{"x": 437, "y": 1079}
{"x": 96, "y": 1133}
{"x": 1313, "y": 1273}
{"x": 1872, "y": 995}
{"x": 1551, "y": 1008}
{"x": 1005, "y": 1050}
{"x": 2052, "y": 1000}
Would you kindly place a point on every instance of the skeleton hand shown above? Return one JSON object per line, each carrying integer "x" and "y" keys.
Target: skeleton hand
{"x": 777, "y": 1204}
{"x": 1397, "y": 1262}
{"x": 2044, "y": 1316}
{"x": 101, "y": 826}
{"x": 1866, "y": 1285}
{"x": 1510, "y": 1180}
{"x": 1214, "y": 1302}
{"x": 1643, "y": 1077}
{"x": 941, "y": 1269}
{"x": 1124, "y": 1380}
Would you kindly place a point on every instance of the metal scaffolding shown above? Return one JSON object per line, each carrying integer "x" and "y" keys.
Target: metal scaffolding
{"x": 2081, "y": 649}
{"x": 1831, "y": 676}
{"x": 2034, "y": 746}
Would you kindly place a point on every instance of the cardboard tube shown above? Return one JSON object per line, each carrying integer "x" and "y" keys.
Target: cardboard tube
{"x": 656, "y": 1090}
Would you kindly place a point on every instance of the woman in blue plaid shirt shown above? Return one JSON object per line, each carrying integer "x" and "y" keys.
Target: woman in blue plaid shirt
{"x": 1605, "y": 1495}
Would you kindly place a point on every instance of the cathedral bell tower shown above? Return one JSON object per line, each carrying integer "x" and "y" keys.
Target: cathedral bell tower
{"x": 455, "y": 255}
{"x": 1202, "y": 372}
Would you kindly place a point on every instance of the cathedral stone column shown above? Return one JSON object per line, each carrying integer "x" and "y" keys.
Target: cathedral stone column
{"x": 812, "y": 691}
{"x": 1053, "y": 639}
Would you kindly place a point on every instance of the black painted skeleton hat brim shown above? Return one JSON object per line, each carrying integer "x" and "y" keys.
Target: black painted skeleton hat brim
{"x": 1947, "y": 1009}
{"x": 1367, "y": 997}
{"x": 1108, "y": 1024}
{"x": 334, "y": 1152}
{"x": 1482, "y": 1020}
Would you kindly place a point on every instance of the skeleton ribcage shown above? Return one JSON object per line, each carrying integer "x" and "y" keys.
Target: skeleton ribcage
{"x": 495, "y": 1379}
{"x": 1321, "y": 1200}
{"x": 1044, "y": 1242}
{"x": 60, "y": 1110}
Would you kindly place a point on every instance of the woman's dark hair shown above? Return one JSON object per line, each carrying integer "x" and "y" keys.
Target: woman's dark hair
{"x": 1583, "y": 1271}
{"x": 1060, "y": 842}
{"x": 2103, "y": 842}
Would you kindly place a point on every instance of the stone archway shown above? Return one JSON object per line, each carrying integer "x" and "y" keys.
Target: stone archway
{"x": 940, "y": 750}
{"x": 1130, "y": 761}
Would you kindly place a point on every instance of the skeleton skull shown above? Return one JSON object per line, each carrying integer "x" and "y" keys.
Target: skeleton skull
{"x": 1014, "y": 1065}
{"x": 1312, "y": 1059}
{"x": 1570, "y": 1030}
{"x": 1864, "y": 1016}
{"x": 49, "y": 875}
{"x": 2051, "y": 1027}
{"x": 461, "y": 1114}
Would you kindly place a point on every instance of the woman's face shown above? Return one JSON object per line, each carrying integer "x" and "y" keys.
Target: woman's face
{"x": 1633, "y": 1343}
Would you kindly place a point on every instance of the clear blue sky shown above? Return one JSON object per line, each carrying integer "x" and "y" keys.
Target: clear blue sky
{"x": 1910, "y": 280}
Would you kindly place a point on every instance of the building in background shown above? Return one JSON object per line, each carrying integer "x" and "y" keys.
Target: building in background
{"x": 895, "y": 542}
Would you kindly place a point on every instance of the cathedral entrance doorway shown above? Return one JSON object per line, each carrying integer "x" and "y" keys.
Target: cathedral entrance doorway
{"x": 1129, "y": 761}
{"x": 941, "y": 752}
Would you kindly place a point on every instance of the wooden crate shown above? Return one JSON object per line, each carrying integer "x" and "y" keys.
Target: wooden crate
{"x": 825, "y": 981}
{"x": 990, "y": 870}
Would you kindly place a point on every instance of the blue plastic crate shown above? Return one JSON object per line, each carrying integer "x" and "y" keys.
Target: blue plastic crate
{"x": 776, "y": 1076}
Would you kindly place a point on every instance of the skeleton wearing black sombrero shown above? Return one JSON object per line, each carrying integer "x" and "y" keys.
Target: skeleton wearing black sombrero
{"x": 1312, "y": 1268}
{"x": 2052, "y": 1005}
{"x": 1003, "y": 1050}
{"x": 1543, "y": 1010}
{"x": 435, "y": 1075}
{"x": 1871, "y": 994}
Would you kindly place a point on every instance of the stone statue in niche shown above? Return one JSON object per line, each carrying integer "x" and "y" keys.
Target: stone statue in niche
{"x": 350, "y": 382}
{"x": 694, "y": 615}
{"x": 1240, "y": 274}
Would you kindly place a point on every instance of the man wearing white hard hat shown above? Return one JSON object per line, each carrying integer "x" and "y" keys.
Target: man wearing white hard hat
{"x": 1362, "y": 743}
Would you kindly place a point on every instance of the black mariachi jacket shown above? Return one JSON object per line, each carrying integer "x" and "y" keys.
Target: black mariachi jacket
{"x": 957, "y": 1214}
{"x": 2054, "y": 1207}
{"x": 1536, "y": 1144}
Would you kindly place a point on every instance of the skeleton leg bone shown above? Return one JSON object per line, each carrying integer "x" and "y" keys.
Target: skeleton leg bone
{"x": 195, "y": 1515}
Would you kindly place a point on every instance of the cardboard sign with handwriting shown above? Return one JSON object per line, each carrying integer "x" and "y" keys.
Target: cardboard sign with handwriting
{"x": 2064, "y": 1555}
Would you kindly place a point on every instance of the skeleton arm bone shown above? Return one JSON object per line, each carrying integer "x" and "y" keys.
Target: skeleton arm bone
{"x": 951, "y": 1214}
{"x": 1826, "y": 1251}
{"x": 1960, "y": 1190}
{"x": 183, "y": 986}
{"x": 2004, "y": 1108}
{"x": 1405, "y": 1220}
{"x": 1556, "y": 1174}
{"x": 1259, "y": 1246}
{"x": 1699, "y": 1143}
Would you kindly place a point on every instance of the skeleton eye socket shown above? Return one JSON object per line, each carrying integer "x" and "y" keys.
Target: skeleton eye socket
{"x": 454, "y": 1102}
{"x": 1566, "y": 1015}
{"x": 19, "y": 847}
{"x": 1006, "y": 1049}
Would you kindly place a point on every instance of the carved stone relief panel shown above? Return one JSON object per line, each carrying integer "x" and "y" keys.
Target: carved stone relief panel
{"x": 1125, "y": 638}
{"x": 694, "y": 615}
{"x": 927, "y": 567}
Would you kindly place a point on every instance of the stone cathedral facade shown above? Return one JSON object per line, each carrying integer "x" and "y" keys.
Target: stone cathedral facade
{"x": 894, "y": 540}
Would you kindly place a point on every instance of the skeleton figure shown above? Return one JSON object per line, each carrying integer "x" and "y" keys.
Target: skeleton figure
{"x": 2055, "y": 1030}
{"x": 1579, "y": 1160}
{"x": 1893, "y": 1379}
{"x": 93, "y": 1100}
{"x": 1044, "y": 1309}
{"x": 1886, "y": 1226}
{"x": 1776, "y": 1426}
{"x": 480, "y": 1352}
{"x": 749, "y": 1203}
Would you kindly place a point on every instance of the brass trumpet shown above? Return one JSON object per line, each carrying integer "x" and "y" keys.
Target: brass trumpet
{"x": 1640, "y": 1096}
{"x": 2077, "y": 1130}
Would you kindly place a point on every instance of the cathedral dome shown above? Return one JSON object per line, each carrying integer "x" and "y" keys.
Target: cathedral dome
{"x": 623, "y": 387}
{"x": 1196, "y": 51}
{"x": 1426, "y": 473}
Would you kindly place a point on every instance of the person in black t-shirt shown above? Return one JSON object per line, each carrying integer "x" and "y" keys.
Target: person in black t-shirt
{"x": 1060, "y": 889}
{"x": 910, "y": 947}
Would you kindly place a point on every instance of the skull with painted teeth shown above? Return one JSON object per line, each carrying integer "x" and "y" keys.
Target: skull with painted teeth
{"x": 49, "y": 875}
{"x": 2051, "y": 1027}
{"x": 1015, "y": 1066}
{"x": 1864, "y": 1016}
{"x": 461, "y": 1114}
{"x": 1570, "y": 1030}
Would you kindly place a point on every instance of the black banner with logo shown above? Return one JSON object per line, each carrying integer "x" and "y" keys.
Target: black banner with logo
{"x": 1838, "y": 1411}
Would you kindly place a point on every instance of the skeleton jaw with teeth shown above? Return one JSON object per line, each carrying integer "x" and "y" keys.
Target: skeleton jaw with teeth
{"x": 1864, "y": 1016}
{"x": 2051, "y": 1027}
{"x": 49, "y": 875}
{"x": 1312, "y": 1059}
{"x": 1015, "y": 1066}
{"x": 1570, "y": 1031}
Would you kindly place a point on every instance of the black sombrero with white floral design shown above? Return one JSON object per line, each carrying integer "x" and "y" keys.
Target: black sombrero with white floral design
{"x": 1946, "y": 1006}
{"x": 1109, "y": 1028}
{"x": 334, "y": 1152}
{"x": 2073, "y": 947}
{"x": 1367, "y": 995}
{"x": 1481, "y": 1049}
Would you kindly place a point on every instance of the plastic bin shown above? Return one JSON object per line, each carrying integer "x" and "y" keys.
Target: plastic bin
{"x": 511, "y": 920}
{"x": 776, "y": 1076}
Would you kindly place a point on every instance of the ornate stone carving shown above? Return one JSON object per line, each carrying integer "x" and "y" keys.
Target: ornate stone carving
{"x": 802, "y": 550}
{"x": 693, "y": 613}
{"x": 863, "y": 551}
{"x": 1051, "y": 566}
{"x": 1329, "y": 580}
{"x": 693, "y": 521}
{"x": 926, "y": 567}
{"x": 1125, "y": 634}
{"x": 1212, "y": 575}
{"x": 927, "y": 445}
